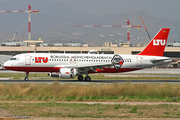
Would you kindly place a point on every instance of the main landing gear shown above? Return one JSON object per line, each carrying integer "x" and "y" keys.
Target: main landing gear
{"x": 26, "y": 78}
{"x": 80, "y": 78}
{"x": 87, "y": 78}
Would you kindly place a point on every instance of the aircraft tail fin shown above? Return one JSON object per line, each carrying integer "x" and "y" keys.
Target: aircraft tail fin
{"x": 157, "y": 44}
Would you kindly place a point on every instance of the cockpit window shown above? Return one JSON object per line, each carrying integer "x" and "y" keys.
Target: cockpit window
{"x": 14, "y": 59}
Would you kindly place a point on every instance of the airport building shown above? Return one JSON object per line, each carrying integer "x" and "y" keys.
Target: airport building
{"x": 169, "y": 51}
{"x": 38, "y": 46}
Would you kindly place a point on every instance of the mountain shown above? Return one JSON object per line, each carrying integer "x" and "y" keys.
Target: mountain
{"x": 55, "y": 23}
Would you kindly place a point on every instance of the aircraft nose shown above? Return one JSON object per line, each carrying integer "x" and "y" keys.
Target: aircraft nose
{"x": 6, "y": 64}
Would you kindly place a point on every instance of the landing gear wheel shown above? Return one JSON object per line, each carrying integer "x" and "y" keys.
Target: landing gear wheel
{"x": 26, "y": 78}
{"x": 87, "y": 78}
{"x": 80, "y": 78}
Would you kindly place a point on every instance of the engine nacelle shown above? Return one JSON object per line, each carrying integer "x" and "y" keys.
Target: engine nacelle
{"x": 65, "y": 73}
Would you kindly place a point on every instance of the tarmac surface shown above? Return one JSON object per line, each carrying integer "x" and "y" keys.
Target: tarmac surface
{"x": 144, "y": 72}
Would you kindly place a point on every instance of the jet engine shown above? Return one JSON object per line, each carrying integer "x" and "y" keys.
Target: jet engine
{"x": 64, "y": 73}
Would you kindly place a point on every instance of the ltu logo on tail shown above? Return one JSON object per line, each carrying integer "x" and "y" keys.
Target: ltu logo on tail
{"x": 158, "y": 42}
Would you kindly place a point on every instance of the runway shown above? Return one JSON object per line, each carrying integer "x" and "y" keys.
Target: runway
{"x": 139, "y": 73}
{"x": 90, "y": 82}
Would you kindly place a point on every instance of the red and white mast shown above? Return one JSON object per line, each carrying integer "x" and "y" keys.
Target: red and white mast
{"x": 128, "y": 31}
{"x": 29, "y": 11}
{"x": 128, "y": 26}
{"x": 29, "y": 22}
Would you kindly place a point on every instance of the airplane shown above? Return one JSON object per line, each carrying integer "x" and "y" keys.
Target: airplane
{"x": 72, "y": 65}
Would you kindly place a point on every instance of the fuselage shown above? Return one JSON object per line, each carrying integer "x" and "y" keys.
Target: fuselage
{"x": 72, "y": 65}
{"x": 52, "y": 62}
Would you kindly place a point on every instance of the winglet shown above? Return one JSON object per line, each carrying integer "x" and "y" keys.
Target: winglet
{"x": 157, "y": 44}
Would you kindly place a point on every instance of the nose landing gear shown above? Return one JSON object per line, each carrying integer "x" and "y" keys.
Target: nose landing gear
{"x": 26, "y": 78}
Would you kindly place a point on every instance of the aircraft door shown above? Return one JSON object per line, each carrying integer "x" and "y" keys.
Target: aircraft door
{"x": 27, "y": 60}
{"x": 139, "y": 61}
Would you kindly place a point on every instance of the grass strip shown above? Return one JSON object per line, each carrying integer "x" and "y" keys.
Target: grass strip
{"x": 93, "y": 92}
{"x": 74, "y": 110}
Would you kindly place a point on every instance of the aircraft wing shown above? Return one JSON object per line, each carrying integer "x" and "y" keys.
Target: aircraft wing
{"x": 88, "y": 67}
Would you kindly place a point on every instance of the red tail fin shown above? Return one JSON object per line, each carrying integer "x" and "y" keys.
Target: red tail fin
{"x": 157, "y": 44}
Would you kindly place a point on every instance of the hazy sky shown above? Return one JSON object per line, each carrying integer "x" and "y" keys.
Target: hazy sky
{"x": 162, "y": 8}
